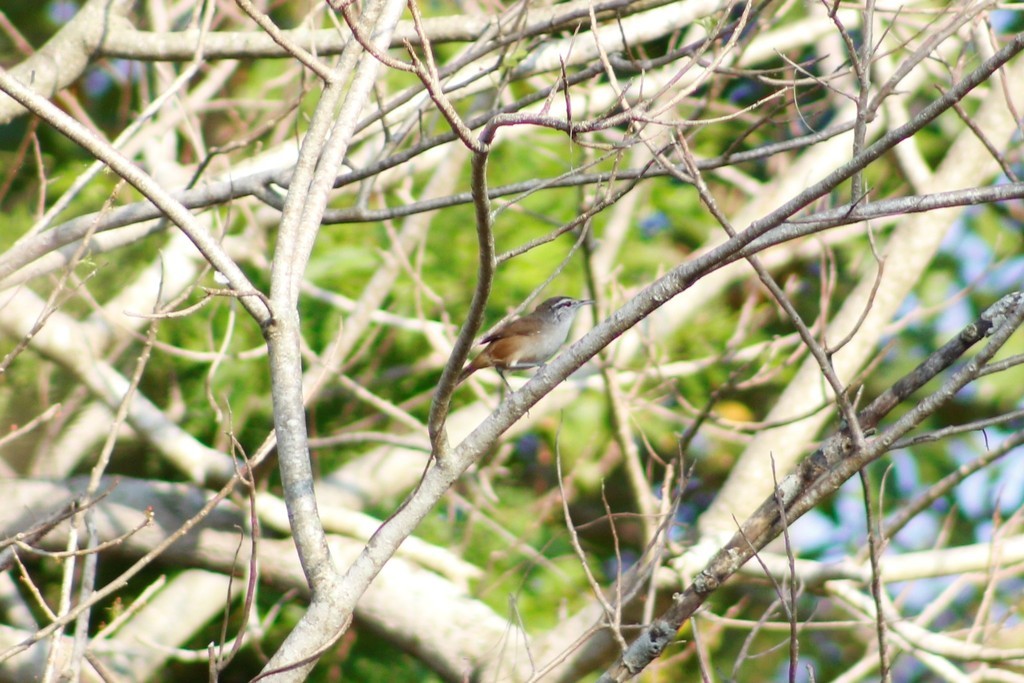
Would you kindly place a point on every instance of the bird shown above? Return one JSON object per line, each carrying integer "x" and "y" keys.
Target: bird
{"x": 529, "y": 341}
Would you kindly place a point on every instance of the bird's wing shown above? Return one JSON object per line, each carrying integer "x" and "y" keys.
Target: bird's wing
{"x": 513, "y": 328}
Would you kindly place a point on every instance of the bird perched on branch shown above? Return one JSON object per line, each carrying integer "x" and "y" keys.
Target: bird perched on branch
{"x": 529, "y": 341}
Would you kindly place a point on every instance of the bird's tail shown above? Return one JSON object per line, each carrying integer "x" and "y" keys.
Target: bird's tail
{"x": 466, "y": 372}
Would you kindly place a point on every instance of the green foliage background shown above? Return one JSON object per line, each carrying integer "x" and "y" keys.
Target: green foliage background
{"x": 980, "y": 263}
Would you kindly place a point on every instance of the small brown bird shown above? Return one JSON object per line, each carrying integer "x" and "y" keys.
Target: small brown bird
{"x": 529, "y": 341}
